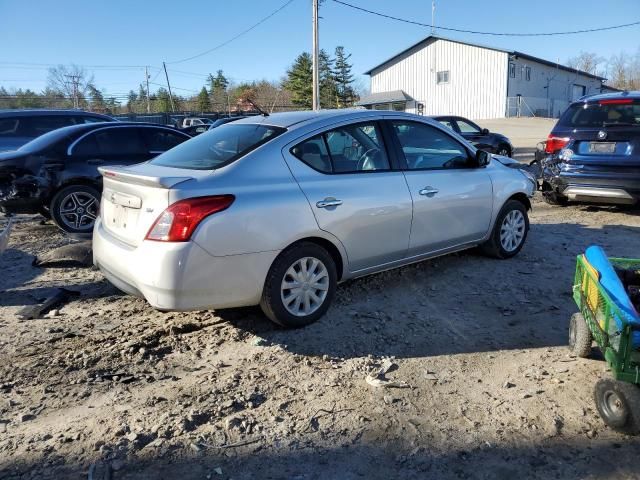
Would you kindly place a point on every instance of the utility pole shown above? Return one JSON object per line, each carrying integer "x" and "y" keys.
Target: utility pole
{"x": 433, "y": 17}
{"x": 146, "y": 77}
{"x": 316, "y": 76}
{"x": 75, "y": 80}
{"x": 173, "y": 108}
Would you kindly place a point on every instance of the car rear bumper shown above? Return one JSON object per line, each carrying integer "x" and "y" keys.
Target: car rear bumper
{"x": 180, "y": 275}
{"x": 605, "y": 188}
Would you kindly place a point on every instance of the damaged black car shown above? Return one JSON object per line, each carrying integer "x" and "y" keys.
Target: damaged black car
{"x": 57, "y": 175}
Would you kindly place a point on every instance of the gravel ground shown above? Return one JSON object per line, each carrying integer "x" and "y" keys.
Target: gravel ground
{"x": 107, "y": 387}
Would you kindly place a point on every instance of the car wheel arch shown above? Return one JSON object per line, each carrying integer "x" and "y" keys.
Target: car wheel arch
{"x": 87, "y": 182}
{"x": 336, "y": 254}
{"x": 520, "y": 197}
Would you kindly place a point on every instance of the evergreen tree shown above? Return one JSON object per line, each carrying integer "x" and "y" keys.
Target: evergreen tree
{"x": 132, "y": 99}
{"x": 299, "y": 81}
{"x": 162, "y": 102}
{"x": 96, "y": 98}
{"x": 328, "y": 85}
{"x": 203, "y": 100}
{"x": 344, "y": 79}
{"x": 218, "y": 90}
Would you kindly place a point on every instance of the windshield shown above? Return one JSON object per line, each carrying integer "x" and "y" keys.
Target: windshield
{"x": 217, "y": 147}
{"x": 602, "y": 114}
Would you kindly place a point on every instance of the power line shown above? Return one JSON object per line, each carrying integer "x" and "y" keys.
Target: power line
{"x": 476, "y": 32}
{"x": 282, "y": 7}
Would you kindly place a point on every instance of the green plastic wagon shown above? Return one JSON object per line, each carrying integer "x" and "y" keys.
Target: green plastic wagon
{"x": 616, "y": 333}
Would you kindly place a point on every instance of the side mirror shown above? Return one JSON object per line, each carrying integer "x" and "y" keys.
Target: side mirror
{"x": 482, "y": 158}
{"x": 485, "y": 131}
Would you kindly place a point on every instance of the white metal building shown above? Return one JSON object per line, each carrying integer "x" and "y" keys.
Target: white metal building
{"x": 441, "y": 76}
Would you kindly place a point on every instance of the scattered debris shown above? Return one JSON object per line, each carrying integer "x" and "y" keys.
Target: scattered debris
{"x": 62, "y": 295}
{"x": 4, "y": 235}
{"x": 78, "y": 254}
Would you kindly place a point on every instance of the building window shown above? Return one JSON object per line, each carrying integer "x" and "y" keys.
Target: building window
{"x": 442, "y": 77}
{"x": 527, "y": 73}
{"x": 512, "y": 70}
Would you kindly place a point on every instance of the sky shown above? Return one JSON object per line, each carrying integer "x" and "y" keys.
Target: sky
{"x": 117, "y": 38}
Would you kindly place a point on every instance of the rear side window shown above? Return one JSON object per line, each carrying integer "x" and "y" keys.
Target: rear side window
{"x": 602, "y": 114}
{"x": 160, "y": 140}
{"x": 348, "y": 149}
{"x": 218, "y": 147}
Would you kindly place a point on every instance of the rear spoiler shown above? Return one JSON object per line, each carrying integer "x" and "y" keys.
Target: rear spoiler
{"x": 122, "y": 175}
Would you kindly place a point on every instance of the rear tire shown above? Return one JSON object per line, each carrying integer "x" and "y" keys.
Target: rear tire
{"x": 552, "y": 197}
{"x": 580, "y": 338}
{"x": 311, "y": 273}
{"x": 513, "y": 219}
{"x": 74, "y": 209}
{"x": 618, "y": 404}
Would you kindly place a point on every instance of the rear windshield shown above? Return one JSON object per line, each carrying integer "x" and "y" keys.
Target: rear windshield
{"x": 602, "y": 114}
{"x": 217, "y": 147}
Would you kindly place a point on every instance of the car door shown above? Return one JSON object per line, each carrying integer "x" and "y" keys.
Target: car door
{"x": 473, "y": 134}
{"x": 452, "y": 199}
{"x": 347, "y": 176}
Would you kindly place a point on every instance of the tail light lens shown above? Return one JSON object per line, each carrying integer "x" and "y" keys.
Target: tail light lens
{"x": 178, "y": 221}
{"x": 555, "y": 144}
{"x": 616, "y": 101}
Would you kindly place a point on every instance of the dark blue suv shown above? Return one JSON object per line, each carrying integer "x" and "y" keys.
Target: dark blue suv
{"x": 594, "y": 152}
{"x": 18, "y": 127}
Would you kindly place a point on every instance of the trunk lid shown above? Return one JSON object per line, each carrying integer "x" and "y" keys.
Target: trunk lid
{"x": 134, "y": 197}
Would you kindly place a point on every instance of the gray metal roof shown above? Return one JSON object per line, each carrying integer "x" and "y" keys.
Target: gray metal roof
{"x": 515, "y": 53}
{"x": 385, "y": 97}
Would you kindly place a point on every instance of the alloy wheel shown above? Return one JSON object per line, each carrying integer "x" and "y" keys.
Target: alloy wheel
{"x": 79, "y": 210}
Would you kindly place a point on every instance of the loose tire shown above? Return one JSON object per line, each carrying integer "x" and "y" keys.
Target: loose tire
{"x": 509, "y": 232}
{"x": 619, "y": 405}
{"x": 580, "y": 339}
{"x": 75, "y": 208}
{"x": 300, "y": 286}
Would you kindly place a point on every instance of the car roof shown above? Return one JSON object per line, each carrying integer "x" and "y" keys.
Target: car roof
{"x": 42, "y": 111}
{"x": 288, "y": 119}
{"x": 98, "y": 125}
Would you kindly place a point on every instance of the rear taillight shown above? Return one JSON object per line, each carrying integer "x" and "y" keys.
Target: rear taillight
{"x": 555, "y": 144}
{"x": 178, "y": 221}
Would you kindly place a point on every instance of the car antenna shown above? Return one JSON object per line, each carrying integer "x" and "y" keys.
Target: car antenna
{"x": 260, "y": 111}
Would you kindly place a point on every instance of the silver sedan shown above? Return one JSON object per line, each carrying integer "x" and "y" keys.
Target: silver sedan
{"x": 277, "y": 210}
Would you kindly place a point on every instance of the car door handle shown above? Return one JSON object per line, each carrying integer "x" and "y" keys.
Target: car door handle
{"x": 428, "y": 191}
{"x": 328, "y": 202}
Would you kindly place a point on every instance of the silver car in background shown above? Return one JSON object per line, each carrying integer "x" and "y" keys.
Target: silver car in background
{"x": 277, "y": 210}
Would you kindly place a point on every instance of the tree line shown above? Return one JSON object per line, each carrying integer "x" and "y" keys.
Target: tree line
{"x": 622, "y": 70}
{"x": 218, "y": 94}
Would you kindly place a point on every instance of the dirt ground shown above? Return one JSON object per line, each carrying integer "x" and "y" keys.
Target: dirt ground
{"x": 107, "y": 387}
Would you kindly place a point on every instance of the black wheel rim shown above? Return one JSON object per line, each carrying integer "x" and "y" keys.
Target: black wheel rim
{"x": 613, "y": 406}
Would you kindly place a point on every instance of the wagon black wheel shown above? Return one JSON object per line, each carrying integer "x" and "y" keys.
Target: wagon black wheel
{"x": 580, "y": 338}
{"x": 619, "y": 405}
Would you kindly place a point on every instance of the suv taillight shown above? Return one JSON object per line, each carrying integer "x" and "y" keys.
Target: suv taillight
{"x": 178, "y": 221}
{"x": 555, "y": 144}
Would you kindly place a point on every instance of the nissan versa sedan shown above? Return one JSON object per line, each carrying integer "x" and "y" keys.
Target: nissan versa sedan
{"x": 277, "y": 210}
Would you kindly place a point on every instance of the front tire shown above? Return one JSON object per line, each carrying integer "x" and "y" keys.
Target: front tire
{"x": 300, "y": 286}
{"x": 619, "y": 405}
{"x": 509, "y": 232}
{"x": 75, "y": 208}
{"x": 580, "y": 338}
{"x": 503, "y": 150}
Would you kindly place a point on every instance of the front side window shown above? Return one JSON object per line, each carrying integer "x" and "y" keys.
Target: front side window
{"x": 442, "y": 77}
{"x": 348, "y": 149}
{"x": 467, "y": 127}
{"x": 427, "y": 148}
{"x": 218, "y": 147}
{"x": 44, "y": 124}
{"x": 113, "y": 141}
{"x": 448, "y": 123}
